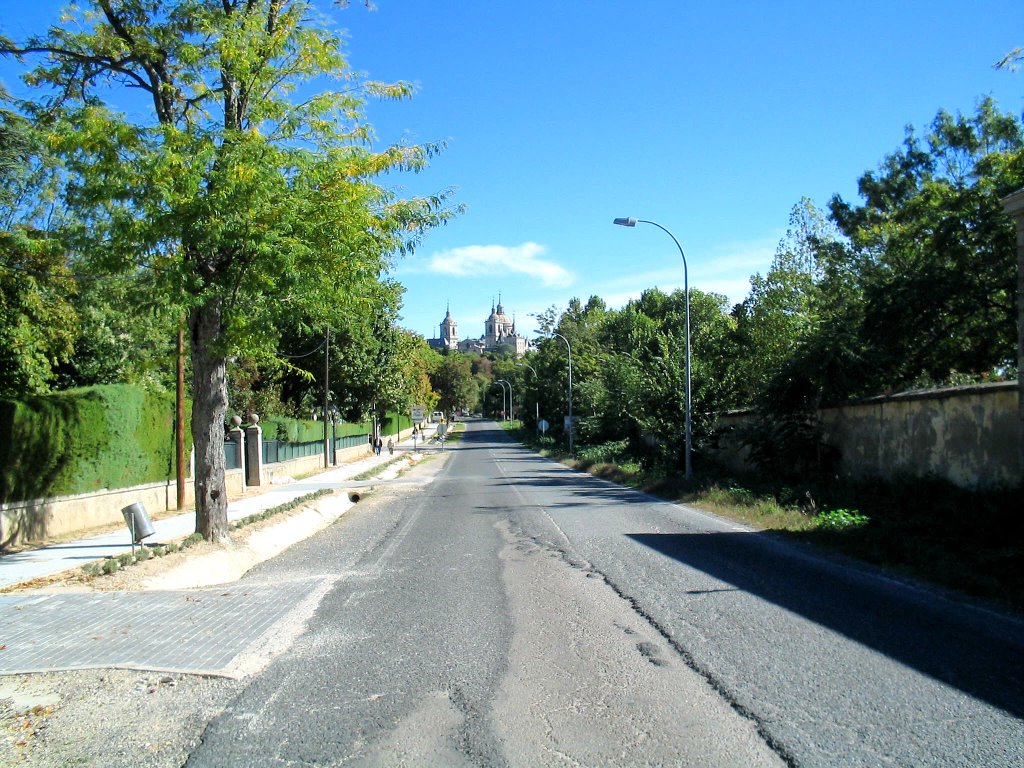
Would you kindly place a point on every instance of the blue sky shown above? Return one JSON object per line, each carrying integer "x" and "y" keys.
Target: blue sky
{"x": 712, "y": 119}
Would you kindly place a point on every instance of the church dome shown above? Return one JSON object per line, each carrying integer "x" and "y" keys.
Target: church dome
{"x": 498, "y": 315}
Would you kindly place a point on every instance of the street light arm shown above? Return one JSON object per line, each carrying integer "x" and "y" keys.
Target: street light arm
{"x": 569, "y": 348}
{"x": 536, "y": 403}
{"x": 631, "y": 222}
{"x": 674, "y": 240}
{"x": 527, "y": 365}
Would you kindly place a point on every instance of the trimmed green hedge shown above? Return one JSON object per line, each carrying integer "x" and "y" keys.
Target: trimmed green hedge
{"x": 82, "y": 440}
{"x": 292, "y": 430}
{"x": 305, "y": 430}
{"x": 393, "y": 420}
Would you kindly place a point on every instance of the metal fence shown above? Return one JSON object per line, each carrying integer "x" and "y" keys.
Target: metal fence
{"x": 232, "y": 454}
{"x": 275, "y": 451}
{"x": 350, "y": 441}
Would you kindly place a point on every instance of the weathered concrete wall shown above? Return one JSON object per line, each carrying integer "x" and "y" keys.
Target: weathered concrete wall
{"x": 967, "y": 435}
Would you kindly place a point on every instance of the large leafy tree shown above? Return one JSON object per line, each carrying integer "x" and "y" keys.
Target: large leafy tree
{"x": 243, "y": 181}
{"x": 38, "y": 325}
{"x": 454, "y": 383}
{"x": 780, "y": 310}
{"x": 415, "y": 361}
{"x": 935, "y": 253}
{"x": 647, "y": 378}
{"x": 363, "y": 356}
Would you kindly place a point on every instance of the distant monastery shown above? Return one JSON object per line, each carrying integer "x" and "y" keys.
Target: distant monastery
{"x": 499, "y": 335}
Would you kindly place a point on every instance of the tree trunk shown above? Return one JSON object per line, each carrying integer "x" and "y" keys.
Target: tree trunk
{"x": 209, "y": 407}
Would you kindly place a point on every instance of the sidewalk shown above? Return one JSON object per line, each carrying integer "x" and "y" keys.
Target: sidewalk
{"x": 222, "y": 630}
{"x": 56, "y": 558}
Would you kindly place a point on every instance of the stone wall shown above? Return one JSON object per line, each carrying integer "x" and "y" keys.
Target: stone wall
{"x": 967, "y": 435}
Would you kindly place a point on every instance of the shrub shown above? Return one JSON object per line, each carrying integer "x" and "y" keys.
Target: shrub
{"x": 604, "y": 453}
{"x": 840, "y": 520}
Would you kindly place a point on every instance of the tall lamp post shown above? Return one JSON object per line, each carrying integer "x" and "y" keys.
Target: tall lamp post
{"x": 511, "y": 406}
{"x": 569, "y": 348}
{"x": 631, "y": 222}
{"x": 537, "y": 401}
{"x": 502, "y": 386}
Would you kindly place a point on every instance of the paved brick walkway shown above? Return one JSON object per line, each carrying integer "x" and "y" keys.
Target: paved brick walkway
{"x": 198, "y": 631}
{"x": 201, "y": 631}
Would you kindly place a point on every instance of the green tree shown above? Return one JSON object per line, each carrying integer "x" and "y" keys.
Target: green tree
{"x": 127, "y": 335}
{"x": 454, "y": 383}
{"x": 934, "y": 252}
{"x": 417, "y": 361}
{"x": 649, "y": 337}
{"x": 38, "y": 319}
{"x": 778, "y": 313}
{"x": 248, "y": 195}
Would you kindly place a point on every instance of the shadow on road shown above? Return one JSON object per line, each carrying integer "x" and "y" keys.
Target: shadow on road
{"x": 977, "y": 653}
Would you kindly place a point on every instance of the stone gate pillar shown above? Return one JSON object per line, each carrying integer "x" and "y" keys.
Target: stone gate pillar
{"x": 1014, "y": 205}
{"x": 253, "y": 452}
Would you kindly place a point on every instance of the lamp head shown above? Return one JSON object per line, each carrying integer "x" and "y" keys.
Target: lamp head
{"x": 626, "y": 222}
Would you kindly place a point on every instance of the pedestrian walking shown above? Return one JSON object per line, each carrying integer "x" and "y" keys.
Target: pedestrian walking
{"x": 378, "y": 445}
{"x": 391, "y": 447}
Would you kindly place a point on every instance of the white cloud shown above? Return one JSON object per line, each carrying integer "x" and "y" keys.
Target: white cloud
{"x": 745, "y": 257}
{"x": 725, "y": 270}
{"x": 483, "y": 260}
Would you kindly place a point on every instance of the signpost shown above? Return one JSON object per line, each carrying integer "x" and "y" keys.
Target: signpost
{"x": 543, "y": 425}
{"x": 417, "y": 413}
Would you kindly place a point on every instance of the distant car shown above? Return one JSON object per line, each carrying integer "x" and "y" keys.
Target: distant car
{"x": 437, "y": 417}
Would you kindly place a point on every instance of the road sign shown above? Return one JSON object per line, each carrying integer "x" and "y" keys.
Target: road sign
{"x": 543, "y": 425}
{"x": 418, "y": 413}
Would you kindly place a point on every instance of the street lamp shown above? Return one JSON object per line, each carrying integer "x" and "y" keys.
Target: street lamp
{"x": 570, "y": 386}
{"x": 537, "y": 401}
{"x": 502, "y": 396}
{"x": 511, "y": 406}
{"x": 631, "y": 222}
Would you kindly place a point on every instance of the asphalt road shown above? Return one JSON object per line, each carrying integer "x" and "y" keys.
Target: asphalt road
{"x": 514, "y": 612}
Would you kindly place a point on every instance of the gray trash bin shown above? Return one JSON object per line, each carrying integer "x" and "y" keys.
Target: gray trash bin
{"x": 137, "y": 520}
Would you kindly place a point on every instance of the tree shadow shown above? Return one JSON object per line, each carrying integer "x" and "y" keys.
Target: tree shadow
{"x": 980, "y": 653}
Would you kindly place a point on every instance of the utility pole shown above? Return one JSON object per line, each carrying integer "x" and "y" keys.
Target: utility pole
{"x": 327, "y": 389}
{"x": 179, "y": 417}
